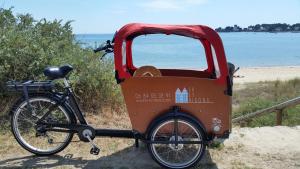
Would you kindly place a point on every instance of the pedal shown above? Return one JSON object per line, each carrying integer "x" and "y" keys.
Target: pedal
{"x": 95, "y": 151}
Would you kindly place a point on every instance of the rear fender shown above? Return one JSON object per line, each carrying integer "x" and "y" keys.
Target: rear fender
{"x": 52, "y": 96}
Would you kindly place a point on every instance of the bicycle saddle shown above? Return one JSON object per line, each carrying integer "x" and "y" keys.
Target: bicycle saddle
{"x": 57, "y": 72}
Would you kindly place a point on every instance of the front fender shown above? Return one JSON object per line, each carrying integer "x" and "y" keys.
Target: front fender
{"x": 177, "y": 113}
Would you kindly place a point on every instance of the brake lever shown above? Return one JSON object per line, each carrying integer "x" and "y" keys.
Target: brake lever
{"x": 236, "y": 70}
{"x": 108, "y": 50}
{"x": 101, "y": 58}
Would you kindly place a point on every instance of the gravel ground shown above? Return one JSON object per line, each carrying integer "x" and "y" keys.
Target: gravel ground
{"x": 265, "y": 147}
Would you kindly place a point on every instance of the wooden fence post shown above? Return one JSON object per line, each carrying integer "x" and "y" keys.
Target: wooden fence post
{"x": 279, "y": 108}
{"x": 279, "y": 117}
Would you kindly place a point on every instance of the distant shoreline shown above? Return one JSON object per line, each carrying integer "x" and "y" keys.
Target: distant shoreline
{"x": 83, "y": 34}
{"x": 271, "y": 28}
{"x": 257, "y": 32}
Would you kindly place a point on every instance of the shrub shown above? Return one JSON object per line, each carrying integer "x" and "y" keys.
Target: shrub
{"x": 28, "y": 46}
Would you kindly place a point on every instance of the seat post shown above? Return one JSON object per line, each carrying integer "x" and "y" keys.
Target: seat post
{"x": 73, "y": 102}
{"x": 66, "y": 82}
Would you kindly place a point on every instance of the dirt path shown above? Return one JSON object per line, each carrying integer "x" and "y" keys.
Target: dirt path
{"x": 265, "y": 147}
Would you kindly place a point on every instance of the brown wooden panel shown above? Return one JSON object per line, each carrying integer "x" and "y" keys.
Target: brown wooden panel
{"x": 149, "y": 97}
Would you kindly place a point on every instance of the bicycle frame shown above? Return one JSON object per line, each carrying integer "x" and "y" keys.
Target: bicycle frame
{"x": 68, "y": 96}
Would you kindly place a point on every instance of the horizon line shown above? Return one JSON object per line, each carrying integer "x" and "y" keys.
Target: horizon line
{"x": 223, "y": 27}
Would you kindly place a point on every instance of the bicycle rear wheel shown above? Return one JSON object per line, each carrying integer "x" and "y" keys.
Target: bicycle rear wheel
{"x": 30, "y": 136}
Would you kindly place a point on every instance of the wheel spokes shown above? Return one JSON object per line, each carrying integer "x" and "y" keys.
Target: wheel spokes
{"x": 40, "y": 140}
{"x": 182, "y": 154}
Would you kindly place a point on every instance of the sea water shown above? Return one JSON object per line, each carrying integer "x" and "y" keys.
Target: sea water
{"x": 245, "y": 49}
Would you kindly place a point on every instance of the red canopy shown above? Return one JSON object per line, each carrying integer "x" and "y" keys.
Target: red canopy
{"x": 208, "y": 37}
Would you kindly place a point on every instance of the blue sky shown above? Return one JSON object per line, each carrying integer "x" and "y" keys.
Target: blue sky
{"x": 106, "y": 16}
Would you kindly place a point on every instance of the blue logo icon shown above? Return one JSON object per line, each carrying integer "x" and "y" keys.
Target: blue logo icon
{"x": 181, "y": 96}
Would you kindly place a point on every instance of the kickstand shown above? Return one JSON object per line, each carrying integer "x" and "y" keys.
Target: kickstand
{"x": 136, "y": 142}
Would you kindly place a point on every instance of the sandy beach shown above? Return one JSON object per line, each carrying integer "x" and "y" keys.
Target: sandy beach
{"x": 245, "y": 148}
{"x": 256, "y": 74}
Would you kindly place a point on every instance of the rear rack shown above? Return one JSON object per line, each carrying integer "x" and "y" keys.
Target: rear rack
{"x": 29, "y": 86}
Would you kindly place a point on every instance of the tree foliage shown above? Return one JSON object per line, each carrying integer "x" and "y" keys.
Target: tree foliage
{"x": 276, "y": 27}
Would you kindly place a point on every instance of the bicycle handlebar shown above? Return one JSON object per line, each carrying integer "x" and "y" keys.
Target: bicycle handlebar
{"x": 106, "y": 46}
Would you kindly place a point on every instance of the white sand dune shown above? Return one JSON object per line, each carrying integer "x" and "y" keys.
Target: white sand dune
{"x": 256, "y": 74}
{"x": 261, "y": 147}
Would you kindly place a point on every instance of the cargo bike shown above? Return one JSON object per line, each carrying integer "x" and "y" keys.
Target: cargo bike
{"x": 176, "y": 112}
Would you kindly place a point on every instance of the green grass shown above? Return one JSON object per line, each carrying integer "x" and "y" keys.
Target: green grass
{"x": 256, "y": 96}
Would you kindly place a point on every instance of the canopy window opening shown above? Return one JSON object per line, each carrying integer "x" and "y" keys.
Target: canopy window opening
{"x": 169, "y": 52}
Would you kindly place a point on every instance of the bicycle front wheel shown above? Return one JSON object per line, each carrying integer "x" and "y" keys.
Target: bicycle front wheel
{"x": 29, "y": 135}
{"x": 181, "y": 155}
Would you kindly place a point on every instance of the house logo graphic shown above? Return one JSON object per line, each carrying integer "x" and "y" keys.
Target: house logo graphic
{"x": 181, "y": 96}
{"x": 188, "y": 95}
